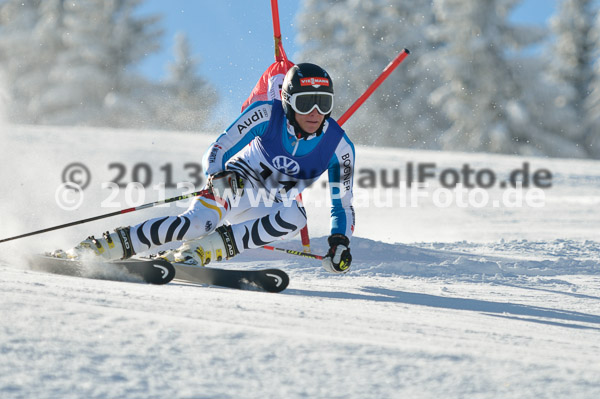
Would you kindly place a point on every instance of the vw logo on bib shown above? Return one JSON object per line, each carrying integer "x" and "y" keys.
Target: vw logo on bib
{"x": 286, "y": 165}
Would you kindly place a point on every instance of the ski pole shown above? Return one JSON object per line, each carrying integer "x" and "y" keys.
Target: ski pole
{"x": 293, "y": 252}
{"x": 121, "y": 212}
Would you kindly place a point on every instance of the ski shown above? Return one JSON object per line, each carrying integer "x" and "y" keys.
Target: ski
{"x": 156, "y": 270}
{"x": 269, "y": 280}
{"x": 151, "y": 271}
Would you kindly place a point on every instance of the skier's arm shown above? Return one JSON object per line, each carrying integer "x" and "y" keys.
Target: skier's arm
{"x": 341, "y": 180}
{"x": 250, "y": 124}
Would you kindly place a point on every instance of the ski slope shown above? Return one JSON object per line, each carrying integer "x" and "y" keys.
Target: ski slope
{"x": 442, "y": 301}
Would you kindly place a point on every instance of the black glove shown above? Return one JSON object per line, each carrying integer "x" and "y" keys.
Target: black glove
{"x": 226, "y": 184}
{"x": 338, "y": 258}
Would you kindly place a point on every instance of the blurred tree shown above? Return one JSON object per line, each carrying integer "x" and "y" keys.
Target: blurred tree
{"x": 24, "y": 61}
{"x": 486, "y": 96}
{"x": 72, "y": 62}
{"x": 63, "y": 58}
{"x": 190, "y": 99}
{"x": 354, "y": 40}
{"x": 103, "y": 40}
{"x": 469, "y": 85}
{"x": 570, "y": 68}
{"x": 592, "y": 102}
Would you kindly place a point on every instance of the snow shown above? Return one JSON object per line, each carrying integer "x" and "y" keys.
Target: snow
{"x": 454, "y": 302}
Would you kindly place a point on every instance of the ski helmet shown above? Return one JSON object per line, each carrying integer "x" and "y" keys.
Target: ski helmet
{"x": 305, "y": 87}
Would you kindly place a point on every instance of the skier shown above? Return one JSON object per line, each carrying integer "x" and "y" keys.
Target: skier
{"x": 273, "y": 151}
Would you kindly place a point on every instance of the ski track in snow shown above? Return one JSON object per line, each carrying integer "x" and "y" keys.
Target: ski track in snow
{"x": 513, "y": 315}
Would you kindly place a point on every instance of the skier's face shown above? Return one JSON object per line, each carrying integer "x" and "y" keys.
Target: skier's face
{"x": 310, "y": 122}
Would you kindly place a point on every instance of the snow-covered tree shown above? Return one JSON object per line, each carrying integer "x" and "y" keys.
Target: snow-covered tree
{"x": 67, "y": 61}
{"x": 49, "y": 33}
{"x": 485, "y": 96}
{"x": 104, "y": 41}
{"x": 354, "y": 40}
{"x": 188, "y": 99}
{"x": 570, "y": 67}
{"x": 592, "y": 104}
{"x": 24, "y": 61}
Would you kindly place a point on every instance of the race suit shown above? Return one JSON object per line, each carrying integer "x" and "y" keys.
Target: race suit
{"x": 275, "y": 166}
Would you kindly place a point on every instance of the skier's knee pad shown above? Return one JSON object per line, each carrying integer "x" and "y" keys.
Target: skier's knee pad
{"x": 203, "y": 221}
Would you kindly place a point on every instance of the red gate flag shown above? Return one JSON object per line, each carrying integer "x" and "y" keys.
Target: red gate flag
{"x": 269, "y": 85}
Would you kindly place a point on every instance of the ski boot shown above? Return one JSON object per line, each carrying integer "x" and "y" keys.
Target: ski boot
{"x": 111, "y": 246}
{"x": 217, "y": 246}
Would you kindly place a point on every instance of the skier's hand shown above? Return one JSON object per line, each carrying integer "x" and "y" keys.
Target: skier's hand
{"x": 338, "y": 258}
{"x": 226, "y": 184}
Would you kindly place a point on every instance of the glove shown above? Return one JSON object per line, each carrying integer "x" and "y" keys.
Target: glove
{"x": 338, "y": 258}
{"x": 226, "y": 184}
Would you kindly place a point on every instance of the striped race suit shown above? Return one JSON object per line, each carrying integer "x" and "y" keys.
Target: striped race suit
{"x": 262, "y": 148}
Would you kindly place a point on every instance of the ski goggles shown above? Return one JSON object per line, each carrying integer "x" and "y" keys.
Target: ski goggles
{"x": 304, "y": 103}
